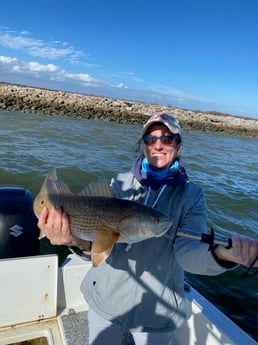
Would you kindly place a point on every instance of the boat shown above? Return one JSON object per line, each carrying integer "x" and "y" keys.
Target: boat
{"x": 41, "y": 302}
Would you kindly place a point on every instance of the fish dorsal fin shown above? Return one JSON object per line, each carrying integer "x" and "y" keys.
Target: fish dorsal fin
{"x": 62, "y": 188}
{"x": 98, "y": 188}
{"x": 53, "y": 185}
{"x": 102, "y": 246}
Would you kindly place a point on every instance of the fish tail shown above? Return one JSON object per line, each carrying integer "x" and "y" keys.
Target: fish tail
{"x": 41, "y": 235}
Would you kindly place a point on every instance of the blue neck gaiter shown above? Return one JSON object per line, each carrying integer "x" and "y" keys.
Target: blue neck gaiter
{"x": 160, "y": 174}
{"x": 174, "y": 176}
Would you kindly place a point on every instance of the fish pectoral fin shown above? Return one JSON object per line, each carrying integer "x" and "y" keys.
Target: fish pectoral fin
{"x": 98, "y": 258}
{"x": 102, "y": 246}
{"x": 98, "y": 188}
{"x": 105, "y": 240}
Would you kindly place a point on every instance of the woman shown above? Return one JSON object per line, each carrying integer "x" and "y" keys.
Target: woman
{"x": 140, "y": 287}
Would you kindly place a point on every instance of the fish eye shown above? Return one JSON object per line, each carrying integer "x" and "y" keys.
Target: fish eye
{"x": 156, "y": 220}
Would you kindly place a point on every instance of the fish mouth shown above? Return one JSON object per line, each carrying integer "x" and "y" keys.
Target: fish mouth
{"x": 166, "y": 224}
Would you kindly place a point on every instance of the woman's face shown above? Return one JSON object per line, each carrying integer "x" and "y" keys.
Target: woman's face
{"x": 158, "y": 154}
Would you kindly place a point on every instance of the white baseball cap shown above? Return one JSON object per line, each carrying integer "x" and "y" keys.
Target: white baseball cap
{"x": 169, "y": 121}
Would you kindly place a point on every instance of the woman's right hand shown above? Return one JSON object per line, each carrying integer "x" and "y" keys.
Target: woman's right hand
{"x": 55, "y": 225}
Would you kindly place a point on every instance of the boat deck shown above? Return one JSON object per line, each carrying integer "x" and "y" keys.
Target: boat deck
{"x": 40, "y": 300}
{"x": 75, "y": 328}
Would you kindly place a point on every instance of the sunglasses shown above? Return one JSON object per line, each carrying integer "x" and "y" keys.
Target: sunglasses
{"x": 165, "y": 139}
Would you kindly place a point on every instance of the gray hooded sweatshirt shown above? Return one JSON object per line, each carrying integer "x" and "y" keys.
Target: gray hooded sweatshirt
{"x": 141, "y": 287}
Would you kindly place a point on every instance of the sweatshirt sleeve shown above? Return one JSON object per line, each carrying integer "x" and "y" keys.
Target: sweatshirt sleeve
{"x": 194, "y": 256}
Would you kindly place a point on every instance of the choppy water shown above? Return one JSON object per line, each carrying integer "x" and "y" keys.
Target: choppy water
{"x": 225, "y": 167}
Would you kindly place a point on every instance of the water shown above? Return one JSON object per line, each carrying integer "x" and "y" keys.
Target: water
{"x": 82, "y": 150}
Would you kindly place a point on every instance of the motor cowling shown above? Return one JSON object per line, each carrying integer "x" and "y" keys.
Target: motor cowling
{"x": 18, "y": 224}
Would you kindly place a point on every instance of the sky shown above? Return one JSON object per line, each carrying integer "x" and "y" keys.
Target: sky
{"x": 191, "y": 54}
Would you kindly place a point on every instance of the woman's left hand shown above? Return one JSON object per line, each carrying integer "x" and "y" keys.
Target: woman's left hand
{"x": 244, "y": 250}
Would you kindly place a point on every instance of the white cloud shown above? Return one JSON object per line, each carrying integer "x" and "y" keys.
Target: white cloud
{"x": 52, "y": 76}
{"x": 168, "y": 90}
{"x": 121, "y": 85}
{"x": 7, "y": 60}
{"x": 38, "y": 48}
{"x": 17, "y": 42}
{"x": 35, "y": 66}
{"x": 46, "y": 71}
{"x": 126, "y": 75}
{"x": 55, "y": 50}
{"x": 49, "y": 75}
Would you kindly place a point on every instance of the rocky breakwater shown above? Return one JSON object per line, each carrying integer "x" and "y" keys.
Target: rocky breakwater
{"x": 18, "y": 98}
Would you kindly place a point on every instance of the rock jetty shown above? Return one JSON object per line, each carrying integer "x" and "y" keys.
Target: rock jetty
{"x": 25, "y": 99}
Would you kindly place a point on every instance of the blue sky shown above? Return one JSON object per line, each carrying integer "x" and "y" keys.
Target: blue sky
{"x": 192, "y": 54}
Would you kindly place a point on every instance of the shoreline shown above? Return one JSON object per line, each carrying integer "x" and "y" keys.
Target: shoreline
{"x": 27, "y": 99}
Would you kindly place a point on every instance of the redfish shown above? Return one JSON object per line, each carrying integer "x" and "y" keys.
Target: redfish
{"x": 96, "y": 215}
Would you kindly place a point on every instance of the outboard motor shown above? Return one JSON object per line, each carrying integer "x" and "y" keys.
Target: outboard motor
{"x": 18, "y": 224}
